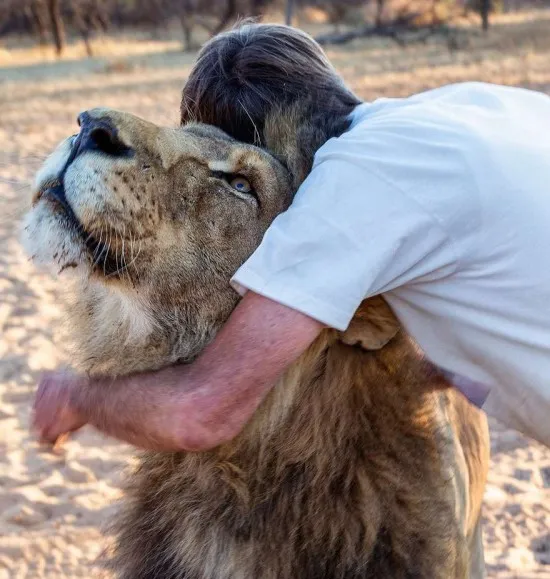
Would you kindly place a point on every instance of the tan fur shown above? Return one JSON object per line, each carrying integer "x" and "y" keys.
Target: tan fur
{"x": 360, "y": 463}
{"x": 372, "y": 327}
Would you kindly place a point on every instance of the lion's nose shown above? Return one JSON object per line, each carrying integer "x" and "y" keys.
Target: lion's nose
{"x": 100, "y": 134}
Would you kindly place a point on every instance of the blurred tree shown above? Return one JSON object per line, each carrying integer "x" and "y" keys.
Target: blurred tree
{"x": 38, "y": 17}
{"x": 57, "y": 26}
{"x": 229, "y": 14}
{"x": 258, "y": 7}
{"x": 338, "y": 11}
{"x": 88, "y": 17}
{"x": 379, "y": 12}
{"x": 485, "y": 7}
{"x": 187, "y": 21}
{"x": 289, "y": 12}
{"x": 52, "y": 20}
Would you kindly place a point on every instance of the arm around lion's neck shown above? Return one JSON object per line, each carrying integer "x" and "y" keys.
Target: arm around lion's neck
{"x": 207, "y": 403}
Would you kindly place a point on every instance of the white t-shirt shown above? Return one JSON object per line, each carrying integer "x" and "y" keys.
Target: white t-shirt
{"x": 441, "y": 202}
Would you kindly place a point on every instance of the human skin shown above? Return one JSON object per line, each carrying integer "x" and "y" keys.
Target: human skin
{"x": 192, "y": 407}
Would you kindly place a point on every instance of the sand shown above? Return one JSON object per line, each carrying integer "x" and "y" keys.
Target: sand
{"x": 55, "y": 507}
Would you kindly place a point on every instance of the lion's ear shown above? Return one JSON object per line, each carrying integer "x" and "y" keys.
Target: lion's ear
{"x": 373, "y": 325}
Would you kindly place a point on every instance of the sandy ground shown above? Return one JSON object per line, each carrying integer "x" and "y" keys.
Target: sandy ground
{"x": 53, "y": 507}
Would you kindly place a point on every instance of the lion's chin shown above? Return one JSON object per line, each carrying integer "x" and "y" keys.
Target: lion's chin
{"x": 55, "y": 239}
{"x": 53, "y": 242}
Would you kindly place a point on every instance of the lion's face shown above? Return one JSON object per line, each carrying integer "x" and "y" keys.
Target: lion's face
{"x": 164, "y": 215}
{"x": 128, "y": 201}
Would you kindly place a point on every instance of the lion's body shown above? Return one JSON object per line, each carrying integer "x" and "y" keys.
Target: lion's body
{"x": 360, "y": 464}
{"x": 353, "y": 469}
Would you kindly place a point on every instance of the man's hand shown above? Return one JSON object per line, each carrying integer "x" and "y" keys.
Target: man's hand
{"x": 54, "y": 414}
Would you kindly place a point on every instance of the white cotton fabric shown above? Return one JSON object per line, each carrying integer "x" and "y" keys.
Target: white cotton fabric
{"x": 441, "y": 202}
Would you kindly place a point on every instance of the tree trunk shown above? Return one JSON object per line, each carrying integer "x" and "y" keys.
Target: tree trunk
{"x": 102, "y": 17}
{"x": 86, "y": 38}
{"x": 230, "y": 12}
{"x": 257, "y": 7}
{"x": 485, "y": 8}
{"x": 379, "y": 13}
{"x": 289, "y": 12}
{"x": 83, "y": 22}
{"x": 56, "y": 22}
{"x": 187, "y": 26}
{"x": 39, "y": 21}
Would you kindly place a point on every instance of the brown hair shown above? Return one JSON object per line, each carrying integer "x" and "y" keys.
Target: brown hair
{"x": 242, "y": 75}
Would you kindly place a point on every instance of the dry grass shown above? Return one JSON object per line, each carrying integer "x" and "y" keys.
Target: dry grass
{"x": 52, "y": 506}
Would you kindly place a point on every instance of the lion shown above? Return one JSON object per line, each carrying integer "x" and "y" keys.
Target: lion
{"x": 361, "y": 463}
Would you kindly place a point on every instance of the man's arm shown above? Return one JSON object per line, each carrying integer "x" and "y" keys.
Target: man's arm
{"x": 194, "y": 407}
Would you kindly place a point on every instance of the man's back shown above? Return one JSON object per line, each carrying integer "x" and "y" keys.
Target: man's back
{"x": 441, "y": 202}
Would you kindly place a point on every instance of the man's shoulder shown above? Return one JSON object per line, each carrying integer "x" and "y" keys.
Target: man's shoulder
{"x": 484, "y": 96}
{"x": 462, "y": 121}
{"x": 391, "y": 133}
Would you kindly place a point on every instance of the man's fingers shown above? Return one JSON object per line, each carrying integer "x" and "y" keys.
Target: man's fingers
{"x": 51, "y": 435}
{"x": 55, "y": 429}
{"x": 52, "y": 417}
{"x": 60, "y": 442}
{"x": 43, "y": 417}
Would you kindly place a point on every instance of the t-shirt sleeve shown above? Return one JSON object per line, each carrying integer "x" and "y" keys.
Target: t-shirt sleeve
{"x": 348, "y": 235}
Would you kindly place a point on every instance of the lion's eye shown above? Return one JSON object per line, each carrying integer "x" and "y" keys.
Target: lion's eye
{"x": 241, "y": 184}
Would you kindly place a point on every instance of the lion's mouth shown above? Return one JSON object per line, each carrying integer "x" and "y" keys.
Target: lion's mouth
{"x": 100, "y": 253}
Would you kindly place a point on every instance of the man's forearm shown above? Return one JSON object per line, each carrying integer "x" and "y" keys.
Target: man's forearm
{"x": 207, "y": 403}
{"x": 139, "y": 409}
{"x": 170, "y": 410}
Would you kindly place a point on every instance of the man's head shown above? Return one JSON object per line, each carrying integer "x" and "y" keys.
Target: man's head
{"x": 243, "y": 75}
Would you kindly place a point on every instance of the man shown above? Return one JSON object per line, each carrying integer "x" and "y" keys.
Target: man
{"x": 439, "y": 201}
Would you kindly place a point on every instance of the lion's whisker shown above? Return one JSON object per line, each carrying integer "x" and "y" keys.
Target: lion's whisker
{"x": 12, "y": 181}
{"x": 116, "y": 251}
{"x": 6, "y": 161}
{"x": 134, "y": 258}
{"x": 20, "y": 187}
{"x": 90, "y": 236}
{"x": 99, "y": 247}
{"x": 108, "y": 246}
{"x": 132, "y": 242}
{"x": 137, "y": 255}
{"x": 122, "y": 267}
{"x": 125, "y": 268}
